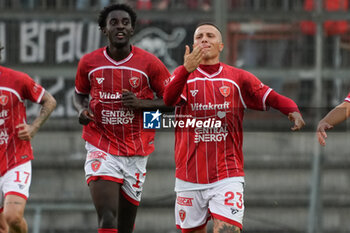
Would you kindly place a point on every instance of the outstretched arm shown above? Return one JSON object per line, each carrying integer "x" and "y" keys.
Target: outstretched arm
{"x": 288, "y": 107}
{"x": 28, "y": 131}
{"x": 334, "y": 117}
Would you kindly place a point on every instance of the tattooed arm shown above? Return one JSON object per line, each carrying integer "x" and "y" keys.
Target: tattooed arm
{"x": 27, "y": 131}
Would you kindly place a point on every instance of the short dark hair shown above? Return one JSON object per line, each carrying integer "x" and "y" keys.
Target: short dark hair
{"x": 122, "y": 7}
{"x": 208, "y": 23}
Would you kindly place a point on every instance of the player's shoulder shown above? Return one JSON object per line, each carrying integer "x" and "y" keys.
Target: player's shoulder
{"x": 93, "y": 55}
{"x": 14, "y": 74}
{"x": 236, "y": 71}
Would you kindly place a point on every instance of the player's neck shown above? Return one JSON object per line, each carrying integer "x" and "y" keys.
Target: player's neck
{"x": 210, "y": 69}
{"x": 119, "y": 54}
{"x": 212, "y": 61}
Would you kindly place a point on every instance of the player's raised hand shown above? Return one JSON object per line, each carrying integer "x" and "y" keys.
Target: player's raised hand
{"x": 130, "y": 100}
{"x": 194, "y": 58}
{"x": 321, "y": 132}
{"x": 297, "y": 119}
{"x": 26, "y": 132}
{"x": 85, "y": 116}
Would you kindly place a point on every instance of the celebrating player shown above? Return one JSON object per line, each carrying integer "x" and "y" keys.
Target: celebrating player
{"x": 209, "y": 160}
{"x": 16, "y": 152}
{"x": 334, "y": 117}
{"x": 120, "y": 80}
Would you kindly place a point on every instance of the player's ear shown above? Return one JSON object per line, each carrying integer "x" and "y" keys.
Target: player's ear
{"x": 221, "y": 47}
{"x": 104, "y": 31}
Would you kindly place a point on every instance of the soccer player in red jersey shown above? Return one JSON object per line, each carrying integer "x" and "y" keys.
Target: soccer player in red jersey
{"x": 15, "y": 149}
{"x": 334, "y": 117}
{"x": 211, "y": 98}
{"x": 114, "y": 84}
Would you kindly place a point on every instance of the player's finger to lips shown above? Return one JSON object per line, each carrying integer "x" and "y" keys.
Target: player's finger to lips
{"x": 197, "y": 49}
{"x": 198, "y": 54}
{"x": 187, "y": 50}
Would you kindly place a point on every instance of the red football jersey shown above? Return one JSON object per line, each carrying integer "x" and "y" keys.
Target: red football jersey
{"x": 118, "y": 130}
{"x": 208, "y": 152}
{"x": 348, "y": 98}
{"x": 15, "y": 88}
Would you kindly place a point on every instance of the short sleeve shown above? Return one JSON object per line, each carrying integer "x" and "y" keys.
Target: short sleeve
{"x": 31, "y": 90}
{"x": 159, "y": 76}
{"x": 254, "y": 92}
{"x": 347, "y": 99}
{"x": 82, "y": 83}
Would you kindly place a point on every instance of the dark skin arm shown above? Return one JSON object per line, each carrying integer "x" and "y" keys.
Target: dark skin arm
{"x": 131, "y": 101}
{"x": 81, "y": 104}
{"x": 27, "y": 131}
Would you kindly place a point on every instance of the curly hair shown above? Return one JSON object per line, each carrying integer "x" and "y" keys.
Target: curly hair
{"x": 122, "y": 7}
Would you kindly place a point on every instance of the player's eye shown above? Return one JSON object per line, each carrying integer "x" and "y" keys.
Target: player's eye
{"x": 113, "y": 22}
{"x": 126, "y": 22}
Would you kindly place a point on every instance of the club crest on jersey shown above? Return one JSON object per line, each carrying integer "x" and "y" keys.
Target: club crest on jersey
{"x": 100, "y": 80}
{"x": 194, "y": 92}
{"x": 95, "y": 165}
{"x": 225, "y": 91}
{"x": 182, "y": 215}
{"x": 3, "y": 100}
{"x": 134, "y": 82}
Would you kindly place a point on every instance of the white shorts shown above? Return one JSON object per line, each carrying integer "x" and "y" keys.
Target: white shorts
{"x": 224, "y": 202}
{"x": 128, "y": 171}
{"x": 16, "y": 181}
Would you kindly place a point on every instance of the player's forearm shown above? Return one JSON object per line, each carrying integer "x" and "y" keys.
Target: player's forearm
{"x": 338, "y": 114}
{"x": 48, "y": 104}
{"x": 282, "y": 103}
{"x": 80, "y": 102}
{"x": 155, "y": 104}
{"x": 174, "y": 89}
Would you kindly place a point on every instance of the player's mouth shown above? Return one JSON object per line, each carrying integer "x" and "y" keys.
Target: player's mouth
{"x": 120, "y": 35}
{"x": 206, "y": 46}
